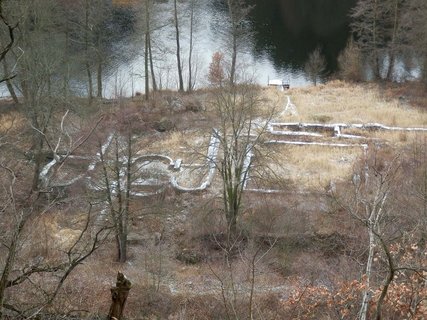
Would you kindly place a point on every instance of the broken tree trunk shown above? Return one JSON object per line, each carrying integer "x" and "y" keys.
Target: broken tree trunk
{"x": 119, "y": 294}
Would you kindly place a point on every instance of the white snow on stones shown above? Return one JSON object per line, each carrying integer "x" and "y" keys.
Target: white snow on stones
{"x": 212, "y": 154}
{"x": 163, "y": 170}
{"x": 290, "y": 108}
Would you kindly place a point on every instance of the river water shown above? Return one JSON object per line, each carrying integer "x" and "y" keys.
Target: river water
{"x": 284, "y": 32}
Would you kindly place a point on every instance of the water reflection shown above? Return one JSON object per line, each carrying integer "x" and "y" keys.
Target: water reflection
{"x": 288, "y": 30}
{"x": 284, "y": 33}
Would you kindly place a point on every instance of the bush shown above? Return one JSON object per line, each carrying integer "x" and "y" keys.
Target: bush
{"x": 315, "y": 65}
{"x": 188, "y": 256}
{"x": 350, "y": 63}
{"x": 193, "y": 105}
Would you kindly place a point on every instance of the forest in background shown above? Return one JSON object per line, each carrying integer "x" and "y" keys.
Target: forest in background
{"x": 354, "y": 248}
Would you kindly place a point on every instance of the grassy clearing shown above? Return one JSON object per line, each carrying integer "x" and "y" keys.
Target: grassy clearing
{"x": 315, "y": 166}
{"x": 186, "y": 145}
{"x": 310, "y": 166}
{"x": 272, "y": 101}
{"x": 395, "y": 138}
{"x": 341, "y": 102}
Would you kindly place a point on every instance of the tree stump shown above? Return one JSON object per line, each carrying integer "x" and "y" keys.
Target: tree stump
{"x": 119, "y": 294}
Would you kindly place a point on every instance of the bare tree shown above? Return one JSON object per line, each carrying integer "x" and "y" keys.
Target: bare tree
{"x": 178, "y": 47}
{"x": 350, "y": 62}
{"x": 61, "y": 149}
{"x": 10, "y": 30}
{"x": 240, "y": 136}
{"x": 379, "y": 29}
{"x": 39, "y": 63}
{"x": 415, "y": 25}
{"x": 237, "y": 275}
{"x": 7, "y": 78}
{"x": 118, "y": 175}
{"x": 191, "y": 75}
{"x": 36, "y": 61}
{"x": 315, "y": 65}
{"x": 238, "y": 33}
{"x": 148, "y": 58}
{"x": 374, "y": 202}
{"x": 117, "y": 189}
{"x": 88, "y": 28}
{"x": 395, "y": 43}
{"x": 368, "y": 205}
{"x": 368, "y": 25}
{"x": 19, "y": 209}
{"x": 150, "y": 23}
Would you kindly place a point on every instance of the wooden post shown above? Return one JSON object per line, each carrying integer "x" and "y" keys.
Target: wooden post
{"x": 119, "y": 294}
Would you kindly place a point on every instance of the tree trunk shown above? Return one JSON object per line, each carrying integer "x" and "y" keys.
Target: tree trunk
{"x": 9, "y": 83}
{"x": 376, "y": 59}
{"x": 366, "y": 293}
{"x": 10, "y": 260}
{"x": 121, "y": 232}
{"x": 90, "y": 84}
{"x": 234, "y": 39}
{"x": 178, "y": 48}
{"x": 389, "y": 279}
{"x": 122, "y": 246}
{"x": 119, "y": 295}
{"x": 233, "y": 62}
{"x": 390, "y": 67}
{"x": 99, "y": 79}
{"x": 89, "y": 73}
{"x": 392, "y": 49}
{"x": 146, "y": 74}
{"x": 99, "y": 69}
{"x": 231, "y": 208}
{"x": 147, "y": 41}
{"x": 38, "y": 159}
{"x": 128, "y": 190}
{"x": 424, "y": 71}
{"x": 190, "y": 54}
{"x": 153, "y": 76}
{"x": 65, "y": 79}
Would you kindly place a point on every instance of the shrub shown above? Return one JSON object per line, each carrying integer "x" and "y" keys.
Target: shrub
{"x": 350, "y": 63}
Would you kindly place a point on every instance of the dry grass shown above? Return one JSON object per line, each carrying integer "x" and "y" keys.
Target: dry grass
{"x": 176, "y": 144}
{"x": 151, "y": 265}
{"x": 272, "y": 101}
{"x": 395, "y": 138}
{"x": 11, "y": 121}
{"x": 401, "y": 138}
{"x": 191, "y": 177}
{"x": 310, "y": 166}
{"x": 341, "y": 102}
{"x": 314, "y": 167}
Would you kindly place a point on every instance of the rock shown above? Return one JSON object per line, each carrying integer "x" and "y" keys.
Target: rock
{"x": 157, "y": 238}
{"x": 177, "y": 165}
{"x": 193, "y": 105}
{"x": 175, "y": 103}
{"x": 188, "y": 257}
{"x": 135, "y": 239}
{"x": 164, "y": 125}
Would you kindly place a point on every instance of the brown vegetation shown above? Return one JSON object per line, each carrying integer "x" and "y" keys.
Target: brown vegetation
{"x": 297, "y": 254}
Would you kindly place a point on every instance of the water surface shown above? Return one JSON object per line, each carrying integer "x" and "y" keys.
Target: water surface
{"x": 284, "y": 33}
